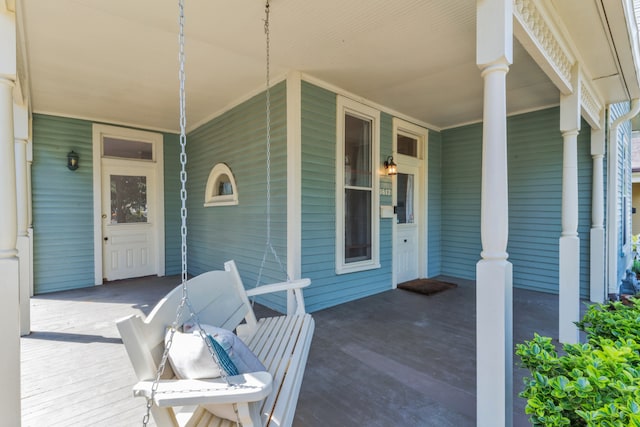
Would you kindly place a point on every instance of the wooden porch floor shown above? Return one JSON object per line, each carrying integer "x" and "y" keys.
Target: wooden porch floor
{"x": 396, "y": 358}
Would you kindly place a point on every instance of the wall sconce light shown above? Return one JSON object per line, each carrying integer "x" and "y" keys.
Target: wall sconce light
{"x": 72, "y": 160}
{"x": 390, "y": 166}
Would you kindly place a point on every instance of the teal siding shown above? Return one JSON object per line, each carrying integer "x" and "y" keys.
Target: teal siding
{"x": 221, "y": 233}
{"x": 386, "y": 199}
{"x": 62, "y": 205}
{"x": 585, "y": 185}
{"x": 535, "y": 153}
{"x": 535, "y": 196}
{"x": 172, "y": 204}
{"x": 434, "y": 204}
{"x": 318, "y": 208}
{"x": 461, "y": 172}
{"x": 63, "y": 256}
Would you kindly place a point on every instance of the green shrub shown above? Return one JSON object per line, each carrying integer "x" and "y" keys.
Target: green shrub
{"x": 636, "y": 266}
{"x": 592, "y": 384}
{"x": 613, "y": 321}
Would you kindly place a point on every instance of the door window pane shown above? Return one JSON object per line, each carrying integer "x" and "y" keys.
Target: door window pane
{"x": 357, "y": 220}
{"x": 357, "y": 151}
{"x": 128, "y": 199}
{"x": 407, "y": 145}
{"x": 127, "y": 149}
{"x": 405, "y": 198}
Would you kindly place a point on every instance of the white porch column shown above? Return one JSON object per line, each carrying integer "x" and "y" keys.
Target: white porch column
{"x": 21, "y": 131}
{"x": 494, "y": 275}
{"x": 9, "y": 275}
{"x": 569, "y": 262}
{"x": 597, "y": 290}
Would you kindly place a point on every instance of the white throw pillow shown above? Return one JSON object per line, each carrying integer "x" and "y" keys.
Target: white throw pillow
{"x": 190, "y": 357}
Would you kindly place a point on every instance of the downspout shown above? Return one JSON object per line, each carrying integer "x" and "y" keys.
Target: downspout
{"x": 612, "y": 186}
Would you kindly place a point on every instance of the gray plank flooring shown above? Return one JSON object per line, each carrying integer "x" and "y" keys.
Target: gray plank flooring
{"x": 392, "y": 359}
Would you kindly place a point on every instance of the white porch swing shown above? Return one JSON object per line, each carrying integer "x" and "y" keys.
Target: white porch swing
{"x": 219, "y": 299}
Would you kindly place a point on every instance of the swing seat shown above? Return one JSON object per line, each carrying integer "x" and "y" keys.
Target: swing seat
{"x": 220, "y": 299}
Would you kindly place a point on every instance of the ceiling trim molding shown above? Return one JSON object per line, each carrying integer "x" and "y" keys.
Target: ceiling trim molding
{"x": 512, "y": 114}
{"x": 342, "y": 92}
{"x": 104, "y": 121}
{"x": 233, "y": 104}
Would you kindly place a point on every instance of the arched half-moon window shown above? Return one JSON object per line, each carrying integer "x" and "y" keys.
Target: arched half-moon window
{"x": 221, "y": 187}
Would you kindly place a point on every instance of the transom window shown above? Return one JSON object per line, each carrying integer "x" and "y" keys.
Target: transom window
{"x": 407, "y": 145}
{"x": 357, "y": 244}
{"x": 127, "y": 149}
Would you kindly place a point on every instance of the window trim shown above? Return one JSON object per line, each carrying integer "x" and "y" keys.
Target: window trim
{"x": 211, "y": 196}
{"x": 344, "y": 106}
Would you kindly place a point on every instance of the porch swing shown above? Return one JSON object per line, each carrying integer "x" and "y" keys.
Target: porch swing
{"x": 218, "y": 299}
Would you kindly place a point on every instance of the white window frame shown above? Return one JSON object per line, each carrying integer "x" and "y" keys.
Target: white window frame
{"x": 211, "y": 196}
{"x": 344, "y": 106}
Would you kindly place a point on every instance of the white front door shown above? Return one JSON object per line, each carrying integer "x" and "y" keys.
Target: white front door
{"x": 128, "y": 232}
{"x": 407, "y": 219}
{"x": 409, "y": 198}
{"x": 128, "y": 203}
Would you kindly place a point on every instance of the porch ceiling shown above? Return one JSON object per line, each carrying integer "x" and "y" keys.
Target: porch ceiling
{"x": 115, "y": 61}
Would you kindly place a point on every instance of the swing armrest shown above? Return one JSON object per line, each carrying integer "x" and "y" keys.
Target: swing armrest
{"x": 295, "y": 300}
{"x": 278, "y": 287}
{"x": 251, "y": 387}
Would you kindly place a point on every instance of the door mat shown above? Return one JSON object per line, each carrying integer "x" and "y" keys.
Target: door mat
{"x": 426, "y": 286}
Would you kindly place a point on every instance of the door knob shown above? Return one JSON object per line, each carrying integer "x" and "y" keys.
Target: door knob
{"x": 106, "y": 238}
{"x": 104, "y": 216}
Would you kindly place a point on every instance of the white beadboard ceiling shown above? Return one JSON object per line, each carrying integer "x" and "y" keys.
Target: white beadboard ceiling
{"x": 116, "y": 61}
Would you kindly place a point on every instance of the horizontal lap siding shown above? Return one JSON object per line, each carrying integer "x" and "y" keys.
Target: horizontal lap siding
{"x": 461, "y": 160}
{"x": 535, "y": 199}
{"x": 63, "y": 256}
{"x": 219, "y": 233}
{"x": 63, "y": 217}
{"x": 386, "y": 224}
{"x": 535, "y": 150}
{"x": 172, "y": 204}
{"x": 434, "y": 204}
{"x": 623, "y": 259}
{"x": 585, "y": 184}
{"x": 319, "y": 208}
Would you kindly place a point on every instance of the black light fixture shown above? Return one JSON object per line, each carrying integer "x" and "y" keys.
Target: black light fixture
{"x": 390, "y": 166}
{"x": 72, "y": 160}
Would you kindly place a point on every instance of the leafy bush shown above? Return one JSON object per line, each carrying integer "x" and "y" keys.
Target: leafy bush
{"x": 636, "y": 266}
{"x": 593, "y": 384}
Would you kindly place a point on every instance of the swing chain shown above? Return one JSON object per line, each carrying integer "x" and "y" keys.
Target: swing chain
{"x": 184, "y": 301}
{"x": 268, "y": 245}
{"x": 183, "y": 216}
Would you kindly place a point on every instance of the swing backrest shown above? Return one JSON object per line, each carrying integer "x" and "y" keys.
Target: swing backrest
{"x": 217, "y": 297}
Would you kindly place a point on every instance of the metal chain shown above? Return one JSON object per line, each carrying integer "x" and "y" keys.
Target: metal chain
{"x": 269, "y": 245}
{"x": 184, "y": 302}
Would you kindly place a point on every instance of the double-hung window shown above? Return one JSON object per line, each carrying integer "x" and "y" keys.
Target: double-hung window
{"x": 357, "y": 242}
